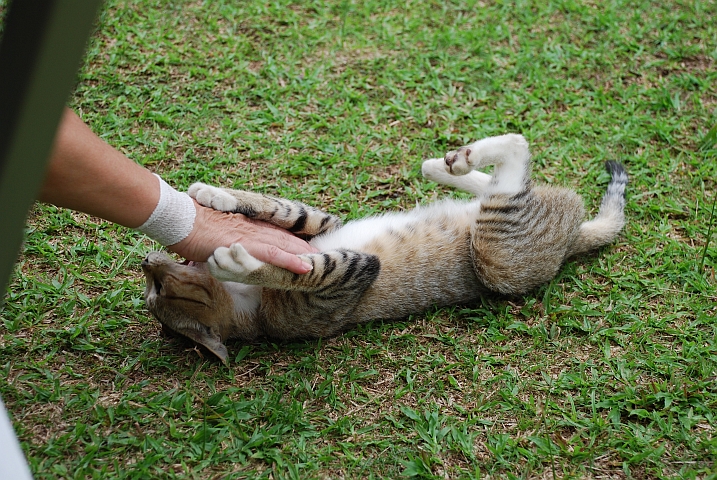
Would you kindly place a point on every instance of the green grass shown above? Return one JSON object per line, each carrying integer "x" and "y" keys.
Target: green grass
{"x": 608, "y": 372}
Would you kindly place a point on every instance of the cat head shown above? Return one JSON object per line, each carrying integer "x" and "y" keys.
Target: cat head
{"x": 186, "y": 299}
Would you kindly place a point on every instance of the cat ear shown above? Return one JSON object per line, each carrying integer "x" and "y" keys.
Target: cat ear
{"x": 205, "y": 336}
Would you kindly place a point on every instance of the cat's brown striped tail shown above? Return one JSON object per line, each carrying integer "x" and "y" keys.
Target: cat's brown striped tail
{"x": 606, "y": 226}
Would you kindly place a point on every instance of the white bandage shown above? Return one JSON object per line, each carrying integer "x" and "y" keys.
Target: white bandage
{"x": 173, "y": 217}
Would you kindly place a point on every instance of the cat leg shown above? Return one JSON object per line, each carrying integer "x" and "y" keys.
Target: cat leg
{"x": 473, "y": 182}
{"x": 333, "y": 270}
{"x": 296, "y": 217}
{"x": 320, "y": 303}
{"x": 510, "y": 155}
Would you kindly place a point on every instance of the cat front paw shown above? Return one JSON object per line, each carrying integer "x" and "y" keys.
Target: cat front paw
{"x": 213, "y": 197}
{"x": 458, "y": 162}
{"x": 232, "y": 264}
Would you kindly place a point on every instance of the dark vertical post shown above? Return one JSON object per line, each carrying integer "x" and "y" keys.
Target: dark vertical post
{"x": 40, "y": 53}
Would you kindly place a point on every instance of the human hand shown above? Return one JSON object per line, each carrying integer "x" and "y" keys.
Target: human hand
{"x": 263, "y": 241}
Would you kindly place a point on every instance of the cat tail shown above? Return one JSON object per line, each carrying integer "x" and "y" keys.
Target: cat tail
{"x": 606, "y": 226}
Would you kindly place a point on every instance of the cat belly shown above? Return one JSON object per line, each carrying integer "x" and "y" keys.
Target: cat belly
{"x": 424, "y": 254}
{"x": 433, "y": 268}
{"x": 356, "y": 234}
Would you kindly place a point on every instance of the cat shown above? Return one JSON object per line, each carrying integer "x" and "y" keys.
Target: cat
{"x": 510, "y": 239}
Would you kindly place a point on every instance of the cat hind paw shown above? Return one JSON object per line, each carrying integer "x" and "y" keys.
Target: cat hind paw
{"x": 232, "y": 264}
{"x": 434, "y": 169}
{"x": 213, "y": 197}
{"x": 458, "y": 162}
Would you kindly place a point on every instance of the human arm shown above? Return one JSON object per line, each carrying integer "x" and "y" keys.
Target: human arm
{"x": 88, "y": 175}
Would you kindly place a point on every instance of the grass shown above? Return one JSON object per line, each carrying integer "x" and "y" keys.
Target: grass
{"x": 610, "y": 371}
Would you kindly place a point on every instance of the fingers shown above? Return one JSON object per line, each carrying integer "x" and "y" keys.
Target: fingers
{"x": 265, "y": 242}
{"x": 274, "y": 245}
{"x": 275, "y": 256}
{"x": 272, "y": 235}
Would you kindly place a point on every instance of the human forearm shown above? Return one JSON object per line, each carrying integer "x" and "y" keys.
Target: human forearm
{"x": 88, "y": 175}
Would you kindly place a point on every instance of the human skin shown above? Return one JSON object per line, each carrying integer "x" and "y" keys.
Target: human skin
{"x": 88, "y": 175}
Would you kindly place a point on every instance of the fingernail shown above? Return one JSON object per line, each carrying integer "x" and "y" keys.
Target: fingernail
{"x": 308, "y": 267}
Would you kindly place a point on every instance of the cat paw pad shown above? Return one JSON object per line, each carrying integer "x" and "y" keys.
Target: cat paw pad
{"x": 458, "y": 162}
{"x": 213, "y": 197}
{"x": 232, "y": 264}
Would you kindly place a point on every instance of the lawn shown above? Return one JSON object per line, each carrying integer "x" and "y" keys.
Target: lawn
{"x": 610, "y": 371}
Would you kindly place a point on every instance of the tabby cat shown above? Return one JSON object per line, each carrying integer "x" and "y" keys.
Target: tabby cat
{"x": 511, "y": 238}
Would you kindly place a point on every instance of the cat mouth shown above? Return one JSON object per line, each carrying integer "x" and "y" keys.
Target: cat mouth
{"x": 200, "y": 266}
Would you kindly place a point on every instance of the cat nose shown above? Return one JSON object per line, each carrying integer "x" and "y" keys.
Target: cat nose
{"x": 155, "y": 259}
{"x": 150, "y": 260}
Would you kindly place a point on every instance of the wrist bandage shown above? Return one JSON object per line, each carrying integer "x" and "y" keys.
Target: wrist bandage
{"x": 173, "y": 217}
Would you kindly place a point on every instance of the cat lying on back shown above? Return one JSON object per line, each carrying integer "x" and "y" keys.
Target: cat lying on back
{"x": 511, "y": 238}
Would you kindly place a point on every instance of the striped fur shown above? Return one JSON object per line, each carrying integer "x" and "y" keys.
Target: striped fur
{"x": 610, "y": 218}
{"x": 510, "y": 239}
{"x": 296, "y": 217}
